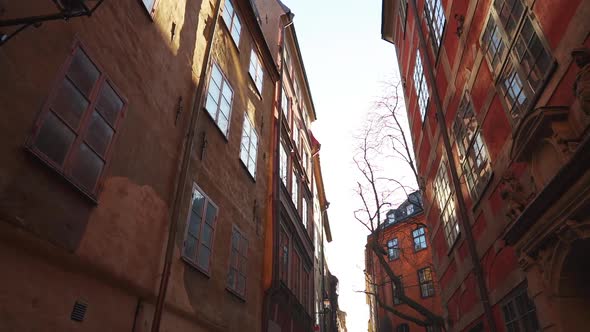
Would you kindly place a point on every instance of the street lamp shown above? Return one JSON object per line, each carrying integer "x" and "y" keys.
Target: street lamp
{"x": 66, "y": 9}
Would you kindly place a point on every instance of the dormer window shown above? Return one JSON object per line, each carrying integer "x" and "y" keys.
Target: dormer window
{"x": 391, "y": 217}
{"x": 410, "y": 209}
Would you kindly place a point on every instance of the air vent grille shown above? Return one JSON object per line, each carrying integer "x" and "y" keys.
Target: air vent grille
{"x": 79, "y": 311}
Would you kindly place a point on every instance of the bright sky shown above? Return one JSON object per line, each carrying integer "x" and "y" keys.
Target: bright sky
{"x": 346, "y": 61}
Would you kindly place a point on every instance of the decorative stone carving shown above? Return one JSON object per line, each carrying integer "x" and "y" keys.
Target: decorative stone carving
{"x": 582, "y": 84}
{"x": 516, "y": 195}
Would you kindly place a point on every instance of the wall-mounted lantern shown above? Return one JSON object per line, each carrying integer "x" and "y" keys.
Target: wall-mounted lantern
{"x": 66, "y": 9}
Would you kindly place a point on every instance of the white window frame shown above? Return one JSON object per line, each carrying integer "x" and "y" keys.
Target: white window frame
{"x": 249, "y": 146}
{"x": 213, "y": 104}
{"x": 435, "y": 17}
{"x": 295, "y": 189}
{"x": 283, "y": 163}
{"x": 420, "y": 85}
{"x": 255, "y": 71}
{"x": 238, "y": 263}
{"x": 446, "y": 203}
{"x": 232, "y": 21}
{"x": 194, "y": 261}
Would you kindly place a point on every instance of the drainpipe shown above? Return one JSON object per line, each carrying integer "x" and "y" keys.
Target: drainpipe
{"x": 464, "y": 216}
{"x": 276, "y": 185}
{"x": 183, "y": 175}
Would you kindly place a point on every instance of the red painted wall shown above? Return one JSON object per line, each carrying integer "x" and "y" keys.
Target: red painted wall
{"x": 460, "y": 66}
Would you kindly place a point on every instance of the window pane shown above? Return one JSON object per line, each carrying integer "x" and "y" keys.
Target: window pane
{"x": 99, "y": 134}
{"x": 231, "y": 278}
{"x": 109, "y": 104}
{"x": 198, "y": 202}
{"x": 54, "y": 139}
{"x": 83, "y": 72}
{"x": 241, "y": 284}
{"x": 69, "y": 103}
{"x": 149, "y": 4}
{"x": 211, "y": 105}
{"x": 194, "y": 225}
{"x": 222, "y": 123}
{"x": 211, "y": 214}
{"x": 216, "y": 76}
{"x": 86, "y": 167}
{"x": 207, "y": 234}
{"x": 190, "y": 247}
{"x": 203, "y": 259}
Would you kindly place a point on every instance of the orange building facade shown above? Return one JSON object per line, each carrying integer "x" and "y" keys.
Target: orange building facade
{"x": 497, "y": 100}
{"x": 409, "y": 255}
{"x": 135, "y": 169}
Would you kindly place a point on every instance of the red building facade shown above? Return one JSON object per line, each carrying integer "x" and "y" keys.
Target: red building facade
{"x": 497, "y": 100}
{"x": 409, "y": 255}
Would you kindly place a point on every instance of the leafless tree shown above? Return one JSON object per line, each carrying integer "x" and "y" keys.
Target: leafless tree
{"x": 383, "y": 144}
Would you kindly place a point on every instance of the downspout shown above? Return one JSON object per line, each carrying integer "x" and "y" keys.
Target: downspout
{"x": 276, "y": 182}
{"x": 477, "y": 269}
{"x": 183, "y": 175}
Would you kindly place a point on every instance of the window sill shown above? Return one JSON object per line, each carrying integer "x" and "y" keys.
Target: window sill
{"x": 419, "y": 250}
{"x": 236, "y": 294}
{"x": 41, "y": 158}
{"x": 192, "y": 264}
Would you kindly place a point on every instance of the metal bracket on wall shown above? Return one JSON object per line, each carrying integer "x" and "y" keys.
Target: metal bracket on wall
{"x": 67, "y": 9}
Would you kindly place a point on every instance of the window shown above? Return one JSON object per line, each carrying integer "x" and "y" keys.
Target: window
{"x": 520, "y": 313}
{"x": 403, "y": 10}
{"x": 256, "y": 70}
{"x": 149, "y": 5}
{"x": 435, "y": 17}
{"x": 426, "y": 283}
{"x": 296, "y": 136}
{"x": 304, "y": 212}
{"x": 391, "y": 217}
{"x": 410, "y": 209}
{"x": 420, "y": 86}
{"x": 284, "y": 260}
{"x": 396, "y": 299}
{"x": 232, "y": 21}
{"x": 297, "y": 90}
{"x": 446, "y": 204}
{"x": 306, "y": 161}
{"x": 392, "y": 249}
{"x": 419, "y": 236}
{"x": 296, "y": 274}
{"x": 198, "y": 241}
{"x": 472, "y": 150}
{"x": 288, "y": 63}
{"x": 75, "y": 132}
{"x": 238, "y": 261}
{"x": 284, "y": 160}
{"x": 285, "y": 104}
{"x": 295, "y": 189}
{"x": 494, "y": 45}
{"x": 526, "y": 63}
{"x": 249, "y": 146}
{"x": 219, "y": 99}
